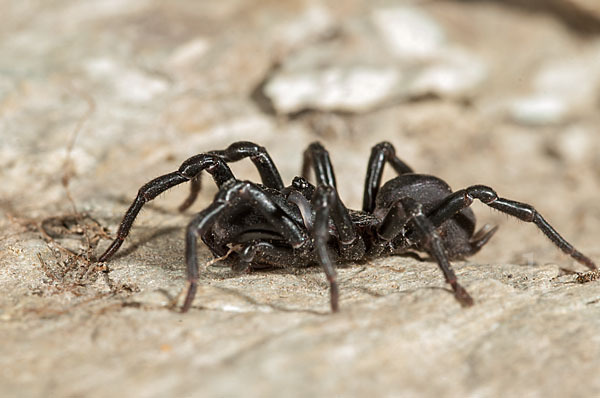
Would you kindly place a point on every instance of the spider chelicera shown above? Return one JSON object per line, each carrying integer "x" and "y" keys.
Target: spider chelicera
{"x": 269, "y": 225}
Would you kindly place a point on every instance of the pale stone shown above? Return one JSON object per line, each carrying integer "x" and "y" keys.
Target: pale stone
{"x": 560, "y": 88}
{"x": 538, "y": 110}
{"x": 127, "y": 84}
{"x": 455, "y": 74}
{"x": 408, "y": 32}
{"x": 315, "y": 20}
{"x": 188, "y": 53}
{"x": 576, "y": 145}
{"x": 351, "y": 89}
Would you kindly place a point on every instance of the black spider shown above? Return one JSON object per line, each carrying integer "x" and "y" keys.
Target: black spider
{"x": 269, "y": 225}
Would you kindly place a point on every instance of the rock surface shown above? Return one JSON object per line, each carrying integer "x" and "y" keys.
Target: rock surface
{"x": 98, "y": 98}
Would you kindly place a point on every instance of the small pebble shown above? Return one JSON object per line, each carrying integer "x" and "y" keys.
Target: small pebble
{"x": 352, "y": 89}
{"x": 408, "y": 32}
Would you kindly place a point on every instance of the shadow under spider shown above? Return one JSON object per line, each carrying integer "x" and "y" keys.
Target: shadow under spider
{"x": 145, "y": 239}
{"x": 275, "y": 307}
{"x": 172, "y": 306}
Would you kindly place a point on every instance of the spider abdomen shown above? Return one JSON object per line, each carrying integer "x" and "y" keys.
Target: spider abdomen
{"x": 430, "y": 192}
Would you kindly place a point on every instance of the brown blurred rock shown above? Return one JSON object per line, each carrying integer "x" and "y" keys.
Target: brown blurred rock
{"x": 99, "y": 97}
{"x": 580, "y": 15}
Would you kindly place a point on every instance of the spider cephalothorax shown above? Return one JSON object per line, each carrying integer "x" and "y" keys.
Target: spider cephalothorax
{"x": 269, "y": 225}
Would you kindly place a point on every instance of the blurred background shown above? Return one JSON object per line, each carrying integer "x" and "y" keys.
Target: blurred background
{"x": 98, "y": 97}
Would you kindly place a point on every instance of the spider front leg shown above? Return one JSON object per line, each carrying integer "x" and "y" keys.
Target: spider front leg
{"x": 188, "y": 170}
{"x": 232, "y": 195}
{"x": 197, "y": 227}
{"x": 269, "y": 174}
{"x": 406, "y": 211}
{"x": 465, "y": 197}
{"x": 327, "y": 204}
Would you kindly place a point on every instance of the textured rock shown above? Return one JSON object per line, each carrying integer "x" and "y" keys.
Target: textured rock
{"x": 98, "y": 98}
{"x": 456, "y": 74}
{"x": 560, "y": 89}
{"x": 581, "y": 15}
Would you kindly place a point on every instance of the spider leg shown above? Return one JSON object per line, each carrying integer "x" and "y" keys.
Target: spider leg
{"x": 231, "y": 195}
{"x": 195, "y": 186}
{"x": 317, "y": 157}
{"x": 259, "y": 156}
{"x": 237, "y": 151}
{"x": 380, "y": 154}
{"x": 198, "y": 226}
{"x": 465, "y": 197}
{"x": 327, "y": 204}
{"x": 407, "y": 210}
{"x": 321, "y": 236}
{"x": 188, "y": 170}
{"x": 480, "y": 238}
